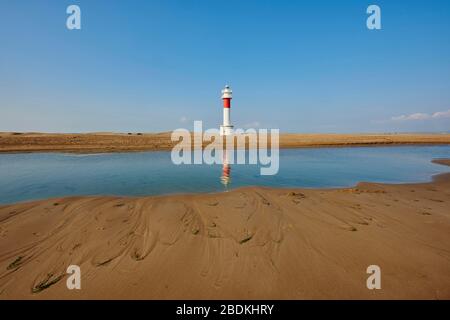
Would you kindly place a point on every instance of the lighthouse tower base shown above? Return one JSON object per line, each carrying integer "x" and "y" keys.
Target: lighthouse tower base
{"x": 226, "y": 130}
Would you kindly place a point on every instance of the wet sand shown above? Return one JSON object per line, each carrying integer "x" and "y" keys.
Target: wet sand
{"x": 249, "y": 243}
{"x": 122, "y": 142}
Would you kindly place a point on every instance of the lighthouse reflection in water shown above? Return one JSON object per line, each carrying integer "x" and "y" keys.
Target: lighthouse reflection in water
{"x": 226, "y": 169}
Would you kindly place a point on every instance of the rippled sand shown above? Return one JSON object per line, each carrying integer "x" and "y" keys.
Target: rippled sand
{"x": 244, "y": 244}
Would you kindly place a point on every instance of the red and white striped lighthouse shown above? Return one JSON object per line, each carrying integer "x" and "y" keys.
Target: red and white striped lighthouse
{"x": 226, "y": 128}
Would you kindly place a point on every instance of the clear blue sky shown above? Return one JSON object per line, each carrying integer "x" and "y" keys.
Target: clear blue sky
{"x": 301, "y": 66}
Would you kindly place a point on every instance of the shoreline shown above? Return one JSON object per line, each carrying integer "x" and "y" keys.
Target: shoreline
{"x": 110, "y": 142}
{"x": 248, "y": 243}
{"x": 433, "y": 178}
{"x": 324, "y": 146}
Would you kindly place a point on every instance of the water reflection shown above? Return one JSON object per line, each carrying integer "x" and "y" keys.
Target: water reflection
{"x": 47, "y": 175}
{"x": 226, "y": 169}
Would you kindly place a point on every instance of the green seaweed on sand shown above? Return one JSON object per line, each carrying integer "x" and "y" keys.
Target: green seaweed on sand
{"x": 46, "y": 283}
{"x": 15, "y": 264}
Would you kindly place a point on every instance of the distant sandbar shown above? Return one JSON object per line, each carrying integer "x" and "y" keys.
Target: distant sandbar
{"x": 128, "y": 142}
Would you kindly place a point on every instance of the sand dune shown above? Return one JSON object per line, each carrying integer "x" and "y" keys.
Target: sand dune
{"x": 111, "y": 142}
{"x": 248, "y": 243}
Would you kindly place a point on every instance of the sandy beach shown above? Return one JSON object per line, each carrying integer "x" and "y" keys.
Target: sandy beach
{"x": 122, "y": 142}
{"x": 249, "y": 243}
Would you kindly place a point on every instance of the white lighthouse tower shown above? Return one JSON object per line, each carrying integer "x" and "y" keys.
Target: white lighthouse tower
{"x": 226, "y": 129}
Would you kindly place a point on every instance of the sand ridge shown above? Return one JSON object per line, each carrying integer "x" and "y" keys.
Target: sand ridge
{"x": 249, "y": 243}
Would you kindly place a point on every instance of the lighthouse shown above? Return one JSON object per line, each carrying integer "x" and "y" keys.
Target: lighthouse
{"x": 226, "y": 128}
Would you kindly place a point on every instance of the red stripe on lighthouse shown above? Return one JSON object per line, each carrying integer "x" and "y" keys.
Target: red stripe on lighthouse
{"x": 226, "y": 102}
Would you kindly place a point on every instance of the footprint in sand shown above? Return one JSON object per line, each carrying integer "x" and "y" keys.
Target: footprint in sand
{"x": 213, "y": 203}
{"x": 297, "y": 197}
{"x": 263, "y": 199}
